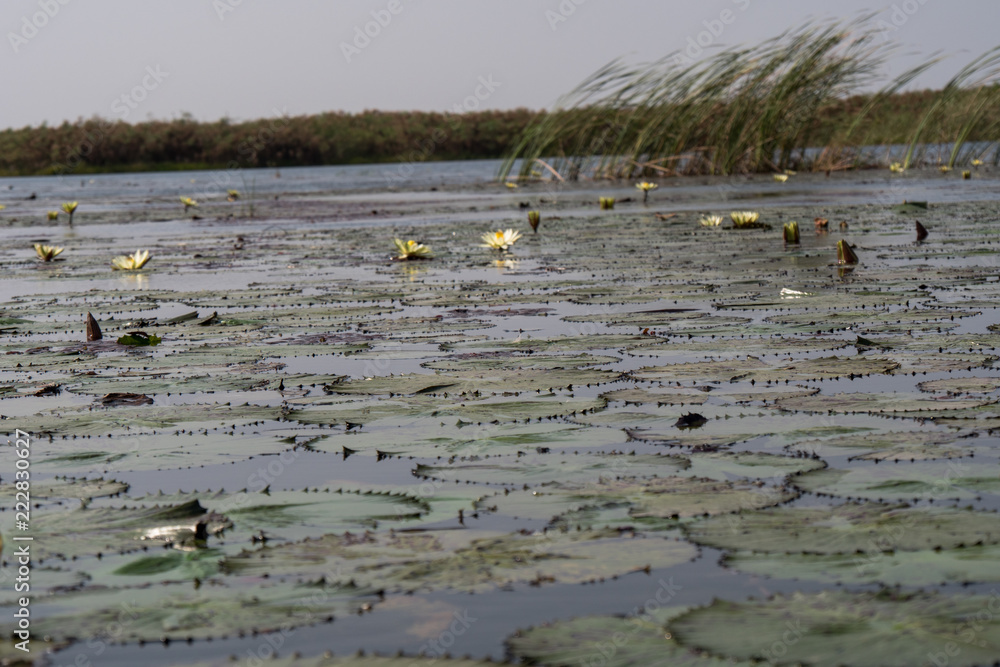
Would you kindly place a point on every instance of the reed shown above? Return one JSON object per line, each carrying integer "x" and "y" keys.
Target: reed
{"x": 751, "y": 109}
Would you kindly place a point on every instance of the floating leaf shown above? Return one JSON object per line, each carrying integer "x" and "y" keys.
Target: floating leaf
{"x": 656, "y": 498}
{"x": 877, "y": 403}
{"x": 927, "y": 480}
{"x": 465, "y": 561}
{"x": 898, "y": 568}
{"x": 831, "y": 629}
{"x": 65, "y": 487}
{"x": 635, "y": 640}
{"x": 760, "y": 371}
{"x": 847, "y": 529}
{"x": 139, "y": 339}
{"x": 178, "y": 613}
{"x": 89, "y": 531}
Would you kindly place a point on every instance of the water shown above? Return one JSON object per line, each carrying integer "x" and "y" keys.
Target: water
{"x": 315, "y": 229}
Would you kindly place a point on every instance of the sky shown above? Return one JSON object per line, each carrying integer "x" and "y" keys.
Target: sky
{"x": 245, "y": 59}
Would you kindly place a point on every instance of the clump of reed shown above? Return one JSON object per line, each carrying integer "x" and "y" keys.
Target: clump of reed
{"x": 748, "y": 109}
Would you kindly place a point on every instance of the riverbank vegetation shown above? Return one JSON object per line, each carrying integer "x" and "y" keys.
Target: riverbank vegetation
{"x": 792, "y": 102}
{"x": 98, "y": 145}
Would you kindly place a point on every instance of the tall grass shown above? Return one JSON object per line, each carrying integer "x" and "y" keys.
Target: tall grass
{"x": 750, "y": 109}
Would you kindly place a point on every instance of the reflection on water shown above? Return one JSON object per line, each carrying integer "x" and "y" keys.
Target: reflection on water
{"x": 137, "y": 281}
{"x": 412, "y": 271}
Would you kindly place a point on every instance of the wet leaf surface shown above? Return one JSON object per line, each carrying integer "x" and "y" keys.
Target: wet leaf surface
{"x": 833, "y": 628}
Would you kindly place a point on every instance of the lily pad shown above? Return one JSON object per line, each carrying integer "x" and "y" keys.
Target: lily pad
{"x": 680, "y": 396}
{"x": 362, "y": 661}
{"x": 66, "y": 487}
{"x": 877, "y": 403}
{"x": 889, "y": 445}
{"x": 973, "y": 385}
{"x": 465, "y": 561}
{"x": 936, "y": 480}
{"x": 847, "y": 529}
{"x": 175, "y": 613}
{"x": 635, "y": 640}
{"x": 753, "y": 465}
{"x": 759, "y": 371}
{"x": 506, "y": 361}
{"x": 537, "y": 468}
{"x": 90, "y": 531}
{"x": 671, "y": 498}
{"x": 831, "y": 629}
{"x": 896, "y": 568}
{"x": 445, "y": 411}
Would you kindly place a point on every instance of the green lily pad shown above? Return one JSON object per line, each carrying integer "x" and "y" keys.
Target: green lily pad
{"x": 66, "y": 487}
{"x": 696, "y": 441}
{"x": 753, "y": 465}
{"x": 476, "y": 383}
{"x": 889, "y": 445}
{"x": 139, "y": 339}
{"x": 934, "y": 362}
{"x": 362, "y": 661}
{"x": 847, "y": 529}
{"x": 899, "y": 568}
{"x": 182, "y": 565}
{"x": 432, "y": 438}
{"x": 463, "y": 560}
{"x": 90, "y": 421}
{"x": 537, "y": 406}
{"x": 973, "y": 385}
{"x": 636, "y": 640}
{"x": 493, "y": 361}
{"x": 679, "y": 396}
{"x": 877, "y": 403}
{"x": 656, "y": 498}
{"x": 760, "y": 371}
{"x": 933, "y": 480}
{"x": 175, "y": 613}
{"x": 89, "y": 531}
{"x": 831, "y": 629}
{"x": 537, "y": 468}
{"x": 580, "y": 343}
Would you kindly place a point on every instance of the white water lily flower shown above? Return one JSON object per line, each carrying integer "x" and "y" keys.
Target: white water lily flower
{"x": 792, "y": 293}
{"x": 744, "y": 218}
{"x": 500, "y": 240}
{"x": 407, "y": 250}
{"x": 47, "y": 253}
{"x": 131, "y": 262}
{"x": 711, "y": 221}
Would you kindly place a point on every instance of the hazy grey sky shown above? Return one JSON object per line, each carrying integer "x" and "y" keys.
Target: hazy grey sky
{"x": 65, "y": 59}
